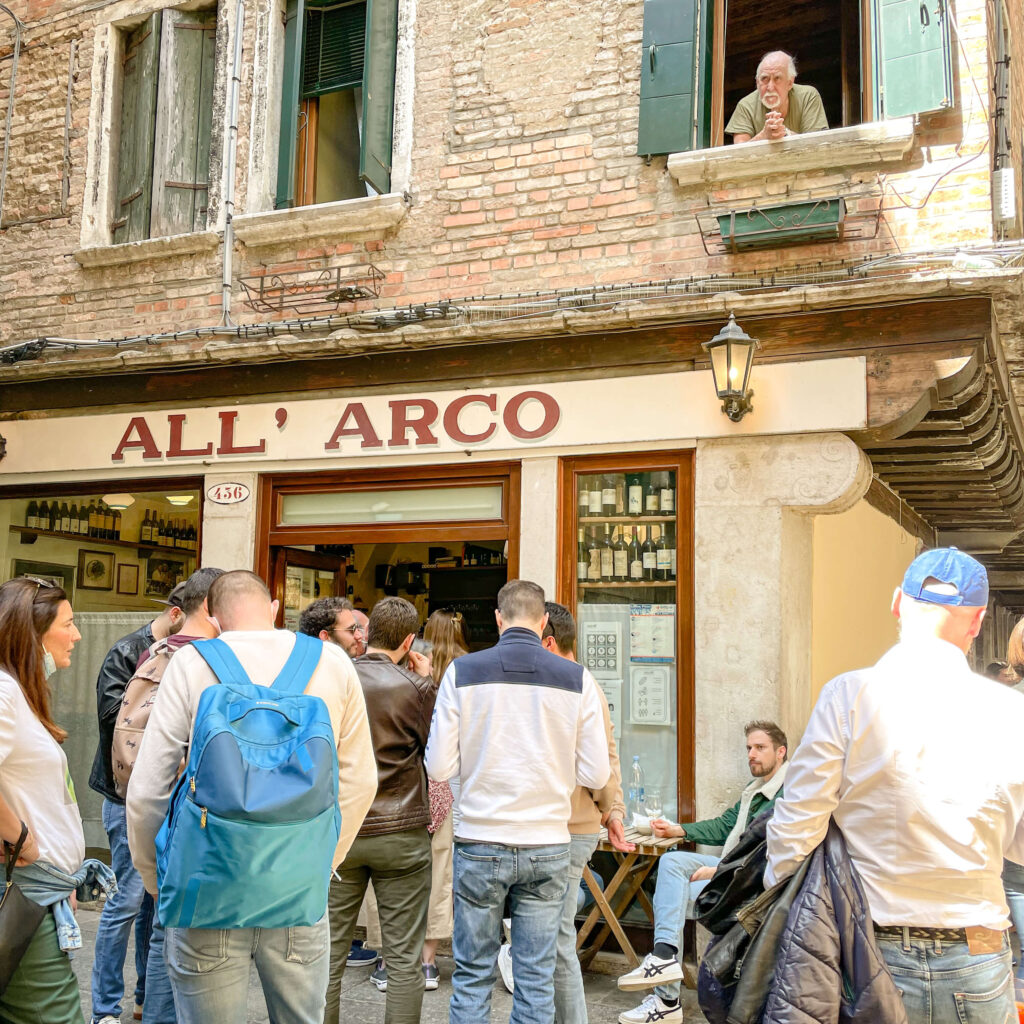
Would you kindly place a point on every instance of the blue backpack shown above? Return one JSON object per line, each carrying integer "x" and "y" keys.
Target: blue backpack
{"x": 253, "y": 822}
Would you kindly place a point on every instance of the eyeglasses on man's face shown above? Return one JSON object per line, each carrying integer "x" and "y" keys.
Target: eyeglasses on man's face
{"x": 349, "y": 629}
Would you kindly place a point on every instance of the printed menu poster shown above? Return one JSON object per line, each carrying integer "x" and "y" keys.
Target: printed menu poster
{"x": 650, "y": 695}
{"x": 601, "y": 648}
{"x": 652, "y": 632}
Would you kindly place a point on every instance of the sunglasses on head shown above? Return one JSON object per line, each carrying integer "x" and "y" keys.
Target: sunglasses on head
{"x": 40, "y": 583}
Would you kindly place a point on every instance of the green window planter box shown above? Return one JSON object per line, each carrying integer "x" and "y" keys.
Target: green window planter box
{"x": 767, "y": 227}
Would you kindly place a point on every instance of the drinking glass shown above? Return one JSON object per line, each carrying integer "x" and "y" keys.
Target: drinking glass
{"x": 652, "y": 803}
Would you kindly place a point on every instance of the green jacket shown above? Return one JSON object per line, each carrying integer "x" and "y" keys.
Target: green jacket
{"x": 715, "y": 831}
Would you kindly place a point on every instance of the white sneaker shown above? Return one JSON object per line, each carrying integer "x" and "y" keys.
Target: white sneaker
{"x": 506, "y": 924}
{"x": 650, "y": 1010}
{"x": 505, "y": 966}
{"x": 109, "y": 1019}
{"x": 653, "y": 971}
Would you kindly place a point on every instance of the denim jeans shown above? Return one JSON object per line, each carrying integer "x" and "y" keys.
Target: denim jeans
{"x": 120, "y": 912}
{"x": 209, "y": 970}
{"x": 159, "y": 1005}
{"x": 570, "y": 1001}
{"x": 672, "y": 895}
{"x": 534, "y": 880}
{"x": 1013, "y": 885}
{"x": 943, "y": 984}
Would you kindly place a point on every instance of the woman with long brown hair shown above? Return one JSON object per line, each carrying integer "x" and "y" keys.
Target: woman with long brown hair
{"x": 37, "y": 797}
{"x": 446, "y": 631}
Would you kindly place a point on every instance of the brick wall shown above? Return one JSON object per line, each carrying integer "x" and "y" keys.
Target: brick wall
{"x": 524, "y": 174}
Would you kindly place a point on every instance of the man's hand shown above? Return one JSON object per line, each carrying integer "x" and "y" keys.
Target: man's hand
{"x": 419, "y": 663}
{"x": 774, "y": 125}
{"x": 702, "y": 874}
{"x": 617, "y": 837}
{"x": 663, "y": 829}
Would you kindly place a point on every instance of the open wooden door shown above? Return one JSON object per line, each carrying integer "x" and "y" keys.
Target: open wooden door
{"x": 299, "y": 577}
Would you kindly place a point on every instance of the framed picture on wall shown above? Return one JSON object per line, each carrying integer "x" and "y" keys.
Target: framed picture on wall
{"x": 95, "y": 570}
{"x": 127, "y": 578}
{"x": 51, "y": 572}
{"x": 163, "y": 575}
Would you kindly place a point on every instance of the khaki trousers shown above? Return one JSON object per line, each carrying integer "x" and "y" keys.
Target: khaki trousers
{"x": 439, "y": 910}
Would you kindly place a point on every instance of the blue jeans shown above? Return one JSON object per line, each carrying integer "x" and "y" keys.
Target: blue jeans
{"x": 943, "y": 984}
{"x": 672, "y": 895}
{"x": 119, "y": 913}
{"x": 534, "y": 880}
{"x": 570, "y": 1001}
{"x": 159, "y": 1005}
{"x": 209, "y": 970}
{"x": 1013, "y": 885}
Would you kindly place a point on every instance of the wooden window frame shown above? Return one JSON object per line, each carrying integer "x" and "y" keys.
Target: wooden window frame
{"x": 682, "y": 463}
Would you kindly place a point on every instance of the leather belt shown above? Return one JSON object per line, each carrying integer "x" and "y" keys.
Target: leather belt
{"x": 915, "y": 932}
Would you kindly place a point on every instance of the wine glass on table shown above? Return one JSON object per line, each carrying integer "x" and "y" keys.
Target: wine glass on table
{"x": 652, "y": 803}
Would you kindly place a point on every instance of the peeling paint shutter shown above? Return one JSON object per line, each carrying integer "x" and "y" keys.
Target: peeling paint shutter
{"x": 291, "y": 83}
{"x": 335, "y": 49}
{"x": 673, "y": 95}
{"x": 184, "y": 113}
{"x": 912, "y": 57}
{"x": 135, "y": 152}
{"x": 379, "y": 93}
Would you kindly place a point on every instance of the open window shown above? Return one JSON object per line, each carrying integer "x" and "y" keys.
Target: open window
{"x": 869, "y": 60}
{"x": 337, "y": 103}
{"x": 163, "y": 159}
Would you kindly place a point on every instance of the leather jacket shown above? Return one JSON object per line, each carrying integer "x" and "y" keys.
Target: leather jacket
{"x": 399, "y": 705}
{"x": 117, "y": 669}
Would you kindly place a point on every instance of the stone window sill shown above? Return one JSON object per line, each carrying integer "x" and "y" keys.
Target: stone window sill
{"x": 872, "y": 143}
{"x": 147, "y": 249}
{"x": 339, "y": 220}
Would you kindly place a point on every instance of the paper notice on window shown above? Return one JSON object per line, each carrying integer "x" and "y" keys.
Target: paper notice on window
{"x": 600, "y": 648}
{"x": 650, "y": 700}
{"x": 652, "y": 632}
{"x": 612, "y": 690}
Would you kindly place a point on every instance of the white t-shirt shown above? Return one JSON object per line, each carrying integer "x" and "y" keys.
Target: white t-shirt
{"x": 35, "y": 781}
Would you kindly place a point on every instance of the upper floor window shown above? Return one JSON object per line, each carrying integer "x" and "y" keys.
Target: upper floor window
{"x": 865, "y": 59}
{"x": 163, "y": 157}
{"x": 337, "y": 103}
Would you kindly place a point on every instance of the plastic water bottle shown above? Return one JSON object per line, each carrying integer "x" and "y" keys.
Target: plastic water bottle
{"x": 636, "y": 787}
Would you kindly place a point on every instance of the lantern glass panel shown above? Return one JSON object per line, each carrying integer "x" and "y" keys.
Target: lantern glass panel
{"x": 720, "y": 369}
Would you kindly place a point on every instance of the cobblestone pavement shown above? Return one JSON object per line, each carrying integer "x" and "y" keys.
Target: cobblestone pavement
{"x": 361, "y": 1003}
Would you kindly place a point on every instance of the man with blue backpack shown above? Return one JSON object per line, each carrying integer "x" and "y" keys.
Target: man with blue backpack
{"x": 239, "y": 847}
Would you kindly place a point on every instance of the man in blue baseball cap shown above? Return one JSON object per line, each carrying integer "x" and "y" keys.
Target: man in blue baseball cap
{"x": 918, "y": 759}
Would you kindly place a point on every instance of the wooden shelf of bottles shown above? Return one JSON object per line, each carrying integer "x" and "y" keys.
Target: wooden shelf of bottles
{"x": 82, "y": 538}
{"x": 638, "y": 520}
{"x": 633, "y": 585}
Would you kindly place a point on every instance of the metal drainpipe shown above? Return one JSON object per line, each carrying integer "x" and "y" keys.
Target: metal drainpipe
{"x": 229, "y": 195}
{"x": 10, "y": 105}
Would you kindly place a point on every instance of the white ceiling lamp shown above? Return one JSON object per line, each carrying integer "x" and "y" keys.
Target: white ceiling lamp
{"x": 179, "y": 499}
{"x": 119, "y": 501}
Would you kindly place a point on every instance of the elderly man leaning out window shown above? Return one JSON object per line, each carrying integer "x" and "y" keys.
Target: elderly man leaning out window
{"x": 778, "y": 107}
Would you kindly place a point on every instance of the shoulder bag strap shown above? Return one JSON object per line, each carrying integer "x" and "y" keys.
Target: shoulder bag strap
{"x": 222, "y": 661}
{"x": 12, "y": 851}
{"x": 300, "y": 666}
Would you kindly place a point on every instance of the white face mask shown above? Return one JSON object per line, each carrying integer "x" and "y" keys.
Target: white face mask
{"x": 49, "y": 663}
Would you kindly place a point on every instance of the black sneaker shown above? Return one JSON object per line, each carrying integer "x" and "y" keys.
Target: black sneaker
{"x": 361, "y": 956}
{"x": 431, "y": 977}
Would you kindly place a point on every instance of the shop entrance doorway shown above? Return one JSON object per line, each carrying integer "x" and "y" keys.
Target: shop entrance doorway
{"x": 440, "y": 537}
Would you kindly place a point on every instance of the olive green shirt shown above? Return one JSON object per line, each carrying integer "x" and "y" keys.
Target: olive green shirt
{"x": 806, "y": 114}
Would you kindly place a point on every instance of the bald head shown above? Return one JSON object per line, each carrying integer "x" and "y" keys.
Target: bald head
{"x": 780, "y": 60}
{"x": 240, "y": 600}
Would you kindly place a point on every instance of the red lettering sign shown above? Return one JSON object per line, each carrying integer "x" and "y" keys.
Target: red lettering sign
{"x": 451, "y": 418}
{"x": 174, "y": 449}
{"x": 227, "y": 438}
{"x": 401, "y": 422}
{"x": 143, "y": 439}
{"x": 552, "y": 414}
{"x": 363, "y": 428}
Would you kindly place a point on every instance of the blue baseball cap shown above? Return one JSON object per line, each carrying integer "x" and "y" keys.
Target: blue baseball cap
{"x": 952, "y": 566}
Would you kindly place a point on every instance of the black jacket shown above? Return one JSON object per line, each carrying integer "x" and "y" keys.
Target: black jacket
{"x": 399, "y": 704}
{"x": 117, "y": 669}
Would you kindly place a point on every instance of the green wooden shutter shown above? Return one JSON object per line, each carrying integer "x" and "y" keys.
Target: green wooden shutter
{"x": 335, "y": 48}
{"x": 184, "y": 113}
{"x": 913, "y": 61}
{"x": 379, "y": 93}
{"x": 135, "y": 151}
{"x": 673, "y": 97}
{"x": 291, "y": 82}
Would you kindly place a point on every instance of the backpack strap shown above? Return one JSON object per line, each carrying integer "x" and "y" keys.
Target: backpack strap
{"x": 300, "y": 666}
{"x": 222, "y": 661}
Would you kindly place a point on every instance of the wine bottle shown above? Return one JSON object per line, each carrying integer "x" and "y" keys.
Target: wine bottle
{"x": 636, "y": 559}
{"x": 595, "y": 496}
{"x": 594, "y": 557}
{"x": 583, "y": 497}
{"x": 668, "y": 494}
{"x": 635, "y": 496}
{"x": 620, "y": 495}
{"x": 144, "y": 528}
{"x": 620, "y": 555}
{"x": 608, "y": 495}
{"x": 670, "y": 541}
{"x": 651, "y": 496}
{"x": 117, "y": 524}
{"x": 161, "y": 531}
{"x": 650, "y": 557}
{"x": 607, "y": 555}
{"x": 65, "y": 518}
{"x": 193, "y": 537}
{"x": 83, "y": 520}
{"x": 108, "y": 522}
{"x": 73, "y": 525}
{"x": 582, "y": 557}
{"x": 54, "y": 526}
{"x": 663, "y": 559}
{"x": 32, "y": 515}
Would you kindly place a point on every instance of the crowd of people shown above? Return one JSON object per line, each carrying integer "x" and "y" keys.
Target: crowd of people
{"x": 266, "y": 791}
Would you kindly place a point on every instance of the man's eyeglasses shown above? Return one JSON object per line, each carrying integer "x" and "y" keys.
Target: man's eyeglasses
{"x": 349, "y": 629}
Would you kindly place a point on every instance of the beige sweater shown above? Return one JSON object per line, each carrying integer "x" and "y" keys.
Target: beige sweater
{"x": 169, "y": 732}
{"x": 588, "y": 806}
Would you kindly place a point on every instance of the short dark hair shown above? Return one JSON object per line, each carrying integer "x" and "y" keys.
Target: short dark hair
{"x": 561, "y": 625}
{"x": 195, "y": 588}
{"x": 323, "y": 614}
{"x": 771, "y": 730}
{"x": 521, "y": 599}
{"x": 391, "y": 621}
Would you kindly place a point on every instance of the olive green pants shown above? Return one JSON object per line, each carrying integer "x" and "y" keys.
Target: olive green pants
{"x": 44, "y": 989}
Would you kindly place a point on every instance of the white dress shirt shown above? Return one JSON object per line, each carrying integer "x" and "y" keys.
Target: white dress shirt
{"x": 921, "y": 763}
